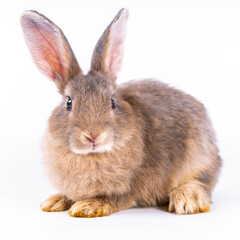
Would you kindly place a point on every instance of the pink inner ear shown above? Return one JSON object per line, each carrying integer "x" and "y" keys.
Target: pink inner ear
{"x": 49, "y": 52}
{"x": 116, "y": 41}
{"x": 46, "y": 46}
{"x": 114, "y": 56}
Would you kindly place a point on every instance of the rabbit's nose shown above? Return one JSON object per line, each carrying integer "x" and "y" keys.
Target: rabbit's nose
{"x": 91, "y": 137}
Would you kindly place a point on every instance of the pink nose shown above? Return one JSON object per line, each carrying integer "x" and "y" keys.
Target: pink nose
{"x": 91, "y": 138}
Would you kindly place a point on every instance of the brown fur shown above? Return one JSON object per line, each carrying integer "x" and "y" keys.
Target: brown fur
{"x": 157, "y": 146}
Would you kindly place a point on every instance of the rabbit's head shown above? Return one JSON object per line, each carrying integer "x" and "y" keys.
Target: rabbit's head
{"x": 85, "y": 120}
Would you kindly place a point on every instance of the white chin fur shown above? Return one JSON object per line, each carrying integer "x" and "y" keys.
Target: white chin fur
{"x": 100, "y": 149}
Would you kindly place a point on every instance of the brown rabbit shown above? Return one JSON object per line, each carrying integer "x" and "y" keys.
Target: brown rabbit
{"x": 111, "y": 147}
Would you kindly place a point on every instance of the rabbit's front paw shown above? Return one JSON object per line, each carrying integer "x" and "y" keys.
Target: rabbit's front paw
{"x": 189, "y": 198}
{"x": 96, "y": 207}
{"x": 56, "y": 203}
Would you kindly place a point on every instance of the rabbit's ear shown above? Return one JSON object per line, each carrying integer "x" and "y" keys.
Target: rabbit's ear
{"x": 49, "y": 48}
{"x": 108, "y": 53}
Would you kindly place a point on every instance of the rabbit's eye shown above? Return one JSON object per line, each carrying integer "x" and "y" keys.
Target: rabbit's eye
{"x": 69, "y": 104}
{"x": 113, "y": 103}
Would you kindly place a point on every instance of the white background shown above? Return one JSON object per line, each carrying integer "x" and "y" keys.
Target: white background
{"x": 193, "y": 45}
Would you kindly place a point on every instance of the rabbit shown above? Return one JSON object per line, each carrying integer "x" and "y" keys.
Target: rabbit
{"x": 111, "y": 147}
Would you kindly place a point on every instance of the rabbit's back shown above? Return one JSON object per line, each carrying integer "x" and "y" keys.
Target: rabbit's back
{"x": 166, "y": 108}
{"x": 160, "y": 97}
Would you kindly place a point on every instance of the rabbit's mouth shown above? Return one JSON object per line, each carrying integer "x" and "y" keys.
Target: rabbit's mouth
{"x": 101, "y": 148}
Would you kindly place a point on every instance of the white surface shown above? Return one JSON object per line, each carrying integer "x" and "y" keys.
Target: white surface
{"x": 193, "y": 45}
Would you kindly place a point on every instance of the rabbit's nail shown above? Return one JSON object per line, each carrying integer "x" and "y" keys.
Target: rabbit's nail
{"x": 91, "y": 208}
{"x": 56, "y": 203}
{"x": 189, "y": 198}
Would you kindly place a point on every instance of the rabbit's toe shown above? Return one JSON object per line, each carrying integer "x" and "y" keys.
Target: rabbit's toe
{"x": 189, "y": 199}
{"x": 91, "y": 208}
{"x": 56, "y": 203}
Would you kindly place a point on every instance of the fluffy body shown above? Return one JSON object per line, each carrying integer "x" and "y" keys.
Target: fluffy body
{"x": 166, "y": 140}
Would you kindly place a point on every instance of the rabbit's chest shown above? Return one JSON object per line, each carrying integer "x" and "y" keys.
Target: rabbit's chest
{"x": 81, "y": 177}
